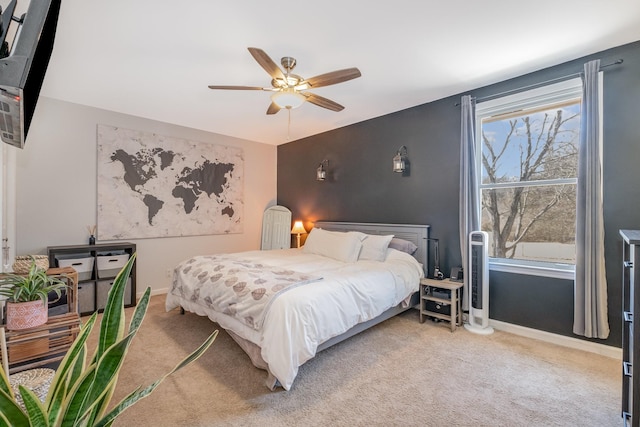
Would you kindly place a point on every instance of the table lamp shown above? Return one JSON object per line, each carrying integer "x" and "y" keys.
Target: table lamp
{"x": 298, "y": 229}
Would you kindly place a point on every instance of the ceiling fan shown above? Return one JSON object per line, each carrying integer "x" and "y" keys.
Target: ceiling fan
{"x": 289, "y": 89}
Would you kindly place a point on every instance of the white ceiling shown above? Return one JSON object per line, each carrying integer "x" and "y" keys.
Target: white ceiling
{"x": 155, "y": 58}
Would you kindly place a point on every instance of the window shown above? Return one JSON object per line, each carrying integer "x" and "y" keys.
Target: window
{"x": 527, "y": 153}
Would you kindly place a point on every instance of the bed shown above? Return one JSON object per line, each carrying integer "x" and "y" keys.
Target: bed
{"x": 283, "y": 306}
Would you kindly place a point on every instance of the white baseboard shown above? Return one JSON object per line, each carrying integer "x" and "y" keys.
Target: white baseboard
{"x": 604, "y": 350}
{"x": 161, "y": 291}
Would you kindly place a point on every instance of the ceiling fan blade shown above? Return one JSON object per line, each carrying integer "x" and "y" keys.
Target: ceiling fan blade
{"x": 266, "y": 62}
{"x": 237, "y": 87}
{"x": 273, "y": 108}
{"x": 323, "y": 102}
{"x": 334, "y": 77}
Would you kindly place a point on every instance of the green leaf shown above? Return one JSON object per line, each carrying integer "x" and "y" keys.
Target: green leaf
{"x": 11, "y": 411}
{"x": 195, "y": 355}
{"x": 35, "y": 409}
{"x": 4, "y": 422}
{"x": 138, "y": 394}
{"x": 66, "y": 375}
{"x": 102, "y": 405}
{"x": 78, "y": 367}
{"x": 4, "y": 383}
{"x": 72, "y": 408}
{"x": 94, "y": 386}
{"x": 140, "y": 311}
{"x": 112, "y": 324}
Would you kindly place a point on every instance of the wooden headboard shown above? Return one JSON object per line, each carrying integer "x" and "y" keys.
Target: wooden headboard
{"x": 417, "y": 234}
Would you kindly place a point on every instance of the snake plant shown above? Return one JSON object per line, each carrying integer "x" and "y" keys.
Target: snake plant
{"x": 81, "y": 390}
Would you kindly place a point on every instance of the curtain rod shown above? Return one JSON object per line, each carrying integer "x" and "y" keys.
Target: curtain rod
{"x": 533, "y": 86}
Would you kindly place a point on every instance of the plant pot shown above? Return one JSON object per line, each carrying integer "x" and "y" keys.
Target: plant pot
{"x": 25, "y": 315}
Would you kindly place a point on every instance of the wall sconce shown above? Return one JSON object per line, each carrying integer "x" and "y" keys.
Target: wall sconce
{"x": 400, "y": 160}
{"x": 321, "y": 172}
{"x": 298, "y": 229}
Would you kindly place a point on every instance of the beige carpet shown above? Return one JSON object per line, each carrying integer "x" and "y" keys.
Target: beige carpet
{"x": 398, "y": 373}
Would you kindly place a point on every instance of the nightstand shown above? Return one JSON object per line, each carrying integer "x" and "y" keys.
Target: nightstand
{"x": 440, "y": 299}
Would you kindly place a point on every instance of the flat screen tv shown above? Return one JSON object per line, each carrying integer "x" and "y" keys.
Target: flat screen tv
{"x": 23, "y": 64}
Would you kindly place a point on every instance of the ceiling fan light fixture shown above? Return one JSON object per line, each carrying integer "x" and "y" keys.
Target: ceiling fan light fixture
{"x": 289, "y": 90}
{"x": 292, "y": 80}
{"x": 288, "y": 99}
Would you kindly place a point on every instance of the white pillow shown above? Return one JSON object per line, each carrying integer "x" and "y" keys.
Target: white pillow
{"x": 340, "y": 246}
{"x": 375, "y": 247}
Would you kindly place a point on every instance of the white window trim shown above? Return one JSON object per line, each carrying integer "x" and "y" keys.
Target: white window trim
{"x": 532, "y": 268}
{"x": 532, "y": 98}
{"x": 536, "y": 183}
{"x": 547, "y": 94}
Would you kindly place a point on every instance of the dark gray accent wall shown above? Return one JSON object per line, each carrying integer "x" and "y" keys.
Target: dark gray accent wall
{"x": 362, "y": 186}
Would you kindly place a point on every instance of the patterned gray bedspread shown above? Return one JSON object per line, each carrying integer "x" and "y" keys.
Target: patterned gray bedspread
{"x": 236, "y": 287}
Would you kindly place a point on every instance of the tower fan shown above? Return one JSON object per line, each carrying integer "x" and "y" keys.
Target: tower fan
{"x": 478, "y": 266}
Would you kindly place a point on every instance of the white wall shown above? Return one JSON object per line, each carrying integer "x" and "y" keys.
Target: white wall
{"x": 56, "y": 188}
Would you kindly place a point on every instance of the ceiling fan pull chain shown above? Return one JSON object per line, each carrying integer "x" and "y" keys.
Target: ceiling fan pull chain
{"x": 289, "y": 125}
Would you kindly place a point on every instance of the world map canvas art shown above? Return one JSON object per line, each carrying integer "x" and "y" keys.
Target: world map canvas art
{"x": 151, "y": 185}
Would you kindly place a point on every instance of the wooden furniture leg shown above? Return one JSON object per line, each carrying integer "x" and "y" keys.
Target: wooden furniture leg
{"x": 3, "y": 351}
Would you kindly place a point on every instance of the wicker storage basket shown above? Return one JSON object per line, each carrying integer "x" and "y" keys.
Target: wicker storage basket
{"x": 23, "y": 263}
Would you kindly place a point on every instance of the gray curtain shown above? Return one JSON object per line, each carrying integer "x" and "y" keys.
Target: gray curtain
{"x": 469, "y": 220}
{"x": 590, "y": 311}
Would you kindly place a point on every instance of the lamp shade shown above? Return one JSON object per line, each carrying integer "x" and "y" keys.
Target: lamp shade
{"x": 298, "y": 228}
{"x": 288, "y": 98}
{"x": 321, "y": 172}
{"x": 398, "y": 163}
{"x": 400, "y": 160}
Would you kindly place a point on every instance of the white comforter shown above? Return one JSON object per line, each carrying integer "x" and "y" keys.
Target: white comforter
{"x": 304, "y": 317}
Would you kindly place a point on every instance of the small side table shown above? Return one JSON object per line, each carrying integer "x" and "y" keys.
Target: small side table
{"x": 445, "y": 293}
{"x": 29, "y": 348}
{"x": 41, "y": 345}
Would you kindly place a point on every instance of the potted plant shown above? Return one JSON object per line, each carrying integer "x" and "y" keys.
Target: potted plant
{"x": 27, "y": 296}
{"x": 81, "y": 390}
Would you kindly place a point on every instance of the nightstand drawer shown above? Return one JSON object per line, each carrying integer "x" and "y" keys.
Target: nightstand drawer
{"x": 437, "y": 307}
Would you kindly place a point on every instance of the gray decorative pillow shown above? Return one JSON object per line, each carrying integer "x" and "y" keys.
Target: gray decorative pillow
{"x": 403, "y": 245}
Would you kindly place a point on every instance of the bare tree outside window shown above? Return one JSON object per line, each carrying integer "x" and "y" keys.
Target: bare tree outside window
{"x": 528, "y": 182}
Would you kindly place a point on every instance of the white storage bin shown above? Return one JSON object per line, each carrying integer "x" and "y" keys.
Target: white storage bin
{"x": 104, "y": 286}
{"x": 87, "y": 297}
{"x": 84, "y": 266}
{"x": 110, "y": 265}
